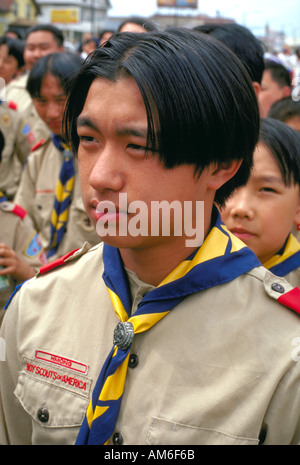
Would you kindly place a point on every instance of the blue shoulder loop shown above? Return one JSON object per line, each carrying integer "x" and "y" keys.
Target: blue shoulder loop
{"x": 13, "y": 294}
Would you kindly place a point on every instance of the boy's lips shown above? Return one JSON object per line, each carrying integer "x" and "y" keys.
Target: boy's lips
{"x": 107, "y": 212}
{"x": 242, "y": 233}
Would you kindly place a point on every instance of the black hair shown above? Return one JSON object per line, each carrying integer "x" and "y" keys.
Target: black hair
{"x": 2, "y": 144}
{"x": 200, "y": 102}
{"x": 15, "y": 48}
{"x": 242, "y": 42}
{"x": 283, "y": 142}
{"x": 279, "y": 73}
{"x": 62, "y": 65}
{"x": 284, "y": 109}
{"x": 18, "y": 34}
{"x": 57, "y": 33}
{"x": 146, "y": 23}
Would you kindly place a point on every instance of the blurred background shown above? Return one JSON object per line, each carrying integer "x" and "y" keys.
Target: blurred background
{"x": 276, "y": 24}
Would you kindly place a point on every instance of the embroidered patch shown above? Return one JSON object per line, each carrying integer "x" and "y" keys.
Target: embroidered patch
{"x": 61, "y": 377}
{"x": 34, "y": 247}
{"x": 62, "y": 361}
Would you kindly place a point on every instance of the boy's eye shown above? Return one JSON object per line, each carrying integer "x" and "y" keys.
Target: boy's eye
{"x": 136, "y": 147}
{"x": 267, "y": 189}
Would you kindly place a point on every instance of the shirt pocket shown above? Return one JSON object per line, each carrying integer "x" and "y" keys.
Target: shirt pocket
{"x": 170, "y": 433}
{"x": 53, "y": 398}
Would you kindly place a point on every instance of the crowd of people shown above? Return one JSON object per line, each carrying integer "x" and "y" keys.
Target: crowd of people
{"x": 114, "y": 338}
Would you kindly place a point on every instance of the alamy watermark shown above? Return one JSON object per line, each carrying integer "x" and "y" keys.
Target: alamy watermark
{"x": 164, "y": 219}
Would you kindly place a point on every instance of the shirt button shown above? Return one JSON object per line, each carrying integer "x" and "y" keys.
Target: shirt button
{"x": 117, "y": 439}
{"x": 278, "y": 288}
{"x": 133, "y": 361}
{"x": 43, "y": 415}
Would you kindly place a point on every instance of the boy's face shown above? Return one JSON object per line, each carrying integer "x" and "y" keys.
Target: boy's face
{"x": 270, "y": 92}
{"x": 262, "y": 213}
{"x": 112, "y": 130}
{"x": 39, "y": 44}
{"x": 8, "y": 64}
{"x": 51, "y": 103}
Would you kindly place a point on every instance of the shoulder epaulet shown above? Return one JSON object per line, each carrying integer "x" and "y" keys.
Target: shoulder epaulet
{"x": 56, "y": 263}
{"x": 74, "y": 254}
{"x": 37, "y": 145}
{"x": 11, "y": 207}
{"x": 282, "y": 291}
{"x": 19, "y": 211}
{"x": 12, "y": 105}
{"x": 291, "y": 299}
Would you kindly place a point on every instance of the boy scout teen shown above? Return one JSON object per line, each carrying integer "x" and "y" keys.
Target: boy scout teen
{"x": 264, "y": 212}
{"x": 16, "y": 148}
{"x": 21, "y": 252}
{"x": 41, "y": 40}
{"x": 143, "y": 339}
{"x": 49, "y": 189}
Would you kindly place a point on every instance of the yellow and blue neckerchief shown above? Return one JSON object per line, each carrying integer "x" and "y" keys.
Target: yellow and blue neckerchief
{"x": 2, "y": 197}
{"x": 287, "y": 259}
{"x": 63, "y": 196}
{"x": 220, "y": 259}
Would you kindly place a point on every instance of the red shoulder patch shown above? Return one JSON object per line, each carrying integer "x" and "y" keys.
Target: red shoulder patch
{"x": 13, "y": 105}
{"x": 37, "y": 145}
{"x": 56, "y": 263}
{"x": 291, "y": 299}
{"x": 19, "y": 211}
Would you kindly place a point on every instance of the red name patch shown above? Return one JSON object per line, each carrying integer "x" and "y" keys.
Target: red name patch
{"x": 51, "y": 374}
{"x": 61, "y": 361}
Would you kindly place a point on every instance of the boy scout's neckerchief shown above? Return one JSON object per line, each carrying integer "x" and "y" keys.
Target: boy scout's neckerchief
{"x": 63, "y": 193}
{"x": 287, "y": 259}
{"x": 2, "y": 197}
{"x": 220, "y": 259}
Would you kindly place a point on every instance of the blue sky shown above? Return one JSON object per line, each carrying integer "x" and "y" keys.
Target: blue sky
{"x": 255, "y": 14}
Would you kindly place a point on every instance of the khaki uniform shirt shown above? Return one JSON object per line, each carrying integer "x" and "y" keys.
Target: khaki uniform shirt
{"x": 36, "y": 195}
{"x": 34, "y": 128}
{"x": 16, "y": 149}
{"x": 16, "y": 91}
{"x": 220, "y": 368}
{"x": 18, "y": 233}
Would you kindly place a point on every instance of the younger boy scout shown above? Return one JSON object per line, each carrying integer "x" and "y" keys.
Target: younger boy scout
{"x": 150, "y": 337}
{"x": 21, "y": 252}
{"x": 16, "y": 148}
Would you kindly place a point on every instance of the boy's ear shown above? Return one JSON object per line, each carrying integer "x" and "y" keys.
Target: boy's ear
{"x": 297, "y": 215}
{"x": 222, "y": 173}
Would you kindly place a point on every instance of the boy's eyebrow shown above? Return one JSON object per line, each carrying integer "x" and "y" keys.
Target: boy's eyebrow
{"x": 266, "y": 178}
{"x": 133, "y": 130}
{"x": 85, "y": 121}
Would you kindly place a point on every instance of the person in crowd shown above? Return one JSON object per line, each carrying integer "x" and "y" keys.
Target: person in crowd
{"x": 287, "y": 110}
{"x": 152, "y": 337}
{"x": 89, "y": 46}
{"x": 14, "y": 33}
{"x": 40, "y": 40}
{"x": 21, "y": 252}
{"x": 275, "y": 85}
{"x": 16, "y": 148}
{"x": 49, "y": 188}
{"x": 137, "y": 24}
{"x": 263, "y": 212}
{"x": 243, "y": 43}
{"x": 12, "y": 62}
{"x": 104, "y": 35}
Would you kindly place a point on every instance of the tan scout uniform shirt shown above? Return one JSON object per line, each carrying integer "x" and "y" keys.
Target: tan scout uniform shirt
{"x": 218, "y": 369}
{"x": 34, "y": 128}
{"x": 18, "y": 234}
{"x": 36, "y": 195}
{"x": 16, "y": 91}
{"x": 15, "y": 151}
